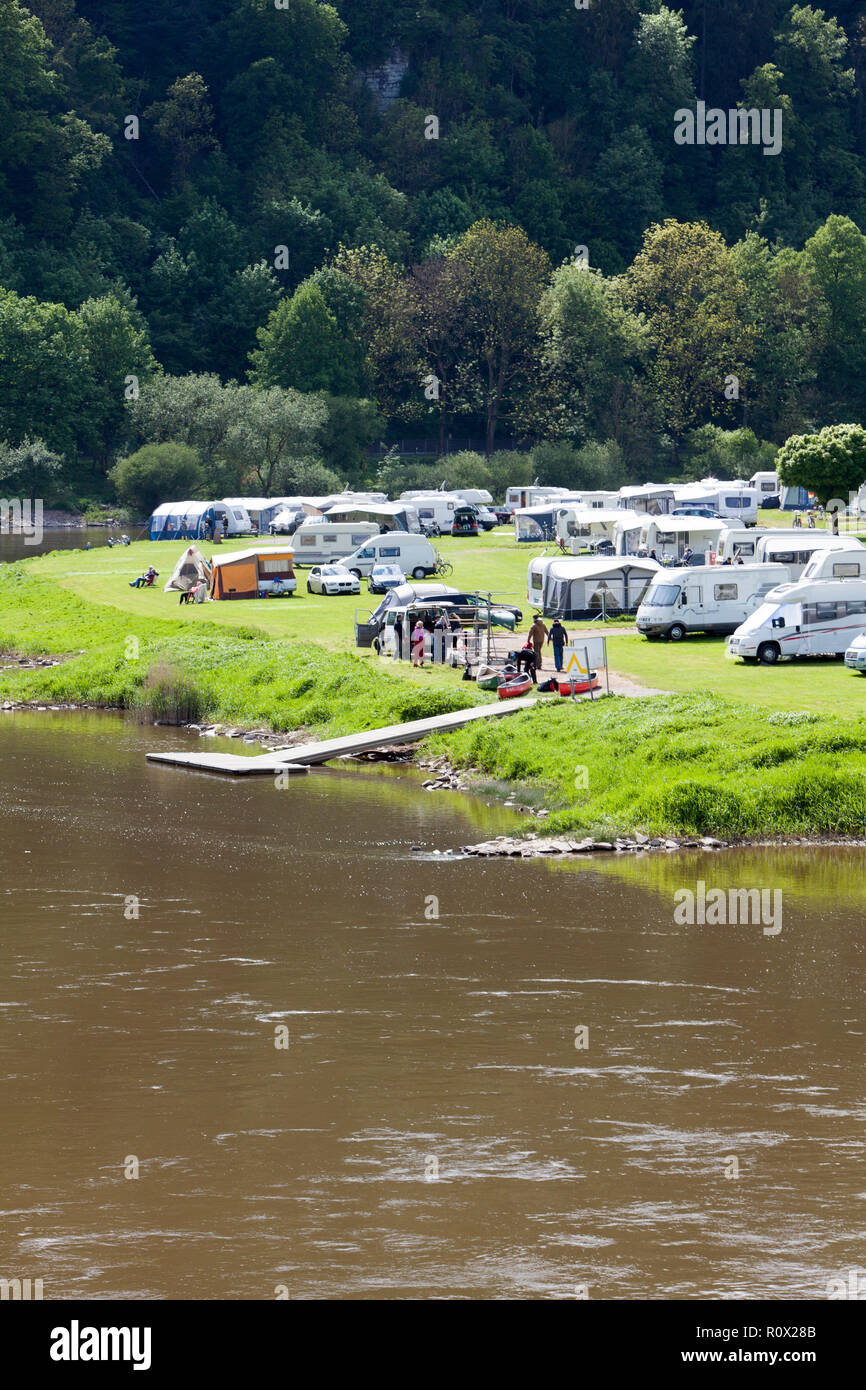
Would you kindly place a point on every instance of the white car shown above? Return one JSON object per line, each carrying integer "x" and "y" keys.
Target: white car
{"x": 332, "y": 579}
{"x": 855, "y": 656}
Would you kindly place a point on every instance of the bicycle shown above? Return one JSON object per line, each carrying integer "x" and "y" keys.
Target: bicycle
{"x": 442, "y": 566}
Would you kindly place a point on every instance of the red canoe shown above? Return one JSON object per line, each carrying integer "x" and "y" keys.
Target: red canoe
{"x": 516, "y": 685}
{"x": 580, "y": 686}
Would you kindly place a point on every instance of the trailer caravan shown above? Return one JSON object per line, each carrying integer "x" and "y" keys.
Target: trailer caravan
{"x": 728, "y": 499}
{"x": 517, "y": 498}
{"x": 535, "y": 523}
{"x": 765, "y": 484}
{"x": 846, "y": 562}
{"x": 587, "y": 587}
{"x": 582, "y": 528}
{"x": 796, "y": 553}
{"x": 704, "y": 598}
{"x": 316, "y": 541}
{"x": 741, "y": 542}
{"x": 812, "y": 618}
{"x": 253, "y": 574}
{"x": 657, "y": 499}
{"x": 670, "y": 536}
{"x": 626, "y": 532}
{"x": 388, "y": 516}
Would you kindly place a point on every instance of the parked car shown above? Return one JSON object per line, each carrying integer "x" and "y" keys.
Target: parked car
{"x": 502, "y": 514}
{"x": 698, "y": 511}
{"x": 465, "y": 522}
{"x": 855, "y": 656}
{"x": 332, "y": 579}
{"x": 385, "y": 577}
{"x": 484, "y": 516}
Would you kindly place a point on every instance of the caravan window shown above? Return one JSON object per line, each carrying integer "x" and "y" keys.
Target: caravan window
{"x": 357, "y": 540}
{"x": 238, "y": 516}
{"x": 768, "y": 485}
{"x": 308, "y": 540}
{"x": 386, "y": 550}
{"x": 274, "y": 566}
{"x": 824, "y": 612}
{"x": 665, "y": 538}
{"x": 723, "y": 592}
{"x": 368, "y": 553}
{"x": 736, "y": 502}
{"x": 744, "y": 548}
{"x": 846, "y": 571}
{"x": 537, "y": 582}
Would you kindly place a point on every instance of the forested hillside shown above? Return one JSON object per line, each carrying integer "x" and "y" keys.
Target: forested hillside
{"x": 226, "y": 223}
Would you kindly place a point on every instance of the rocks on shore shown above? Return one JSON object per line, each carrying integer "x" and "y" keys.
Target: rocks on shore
{"x": 534, "y": 846}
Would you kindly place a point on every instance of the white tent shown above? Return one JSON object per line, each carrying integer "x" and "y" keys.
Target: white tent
{"x": 191, "y": 569}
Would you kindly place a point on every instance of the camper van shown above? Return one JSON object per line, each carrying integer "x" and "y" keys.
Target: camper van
{"x": 670, "y": 536}
{"x": 414, "y": 554}
{"x": 706, "y": 598}
{"x": 815, "y": 618}
{"x": 316, "y": 541}
{"x": 728, "y": 499}
{"x": 437, "y": 507}
{"x": 796, "y": 554}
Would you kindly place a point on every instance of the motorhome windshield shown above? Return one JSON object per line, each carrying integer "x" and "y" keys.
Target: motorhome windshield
{"x": 773, "y": 615}
{"x": 662, "y": 595}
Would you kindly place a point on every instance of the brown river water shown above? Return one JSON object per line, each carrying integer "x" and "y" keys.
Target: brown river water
{"x": 432, "y": 1130}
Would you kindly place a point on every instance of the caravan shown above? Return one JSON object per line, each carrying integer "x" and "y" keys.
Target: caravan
{"x": 584, "y": 528}
{"x": 706, "y": 598}
{"x": 587, "y": 587}
{"x": 733, "y": 500}
{"x": 317, "y": 541}
{"x": 668, "y": 537}
{"x": 846, "y": 562}
{"x": 657, "y": 499}
{"x": 815, "y": 618}
{"x": 796, "y": 553}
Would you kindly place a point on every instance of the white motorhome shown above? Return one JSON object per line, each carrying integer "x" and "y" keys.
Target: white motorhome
{"x": 704, "y": 598}
{"x": 669, "y": 537}
{"x": 728, "y": 499}
{"x": 796, "y": 554}
{"x": 414, "y": 554}
{"x": 317, "y": 541}
{"x": 848, "y": 562}
{"x": 816, "y": 618}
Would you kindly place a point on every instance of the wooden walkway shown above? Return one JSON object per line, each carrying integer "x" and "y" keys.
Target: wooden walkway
{"x": 304, "y": 755}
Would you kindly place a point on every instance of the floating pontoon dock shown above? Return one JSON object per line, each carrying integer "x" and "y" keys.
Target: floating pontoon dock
{"x": 304, "y": 755}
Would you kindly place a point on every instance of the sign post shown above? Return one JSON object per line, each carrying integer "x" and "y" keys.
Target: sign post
{"x": 579, "y": 661}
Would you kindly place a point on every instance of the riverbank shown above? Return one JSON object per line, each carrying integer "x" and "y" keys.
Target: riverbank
{"x": 696, "y": 764}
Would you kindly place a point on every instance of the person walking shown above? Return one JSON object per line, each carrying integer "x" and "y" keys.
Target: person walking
{"x": 835, "y": 523}
{"x": 536, "y": 636}
{"x": 418, "y": 635}
{"x": 558, "y": 638}
{"x": 811, "y": 521}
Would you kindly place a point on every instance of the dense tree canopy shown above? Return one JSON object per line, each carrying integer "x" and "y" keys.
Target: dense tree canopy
{"x": 452, "y": 218}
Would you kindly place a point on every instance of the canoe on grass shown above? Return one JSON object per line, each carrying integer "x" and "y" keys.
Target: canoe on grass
{"x": 487, "y": 678}
{"x": 513, "y": 687}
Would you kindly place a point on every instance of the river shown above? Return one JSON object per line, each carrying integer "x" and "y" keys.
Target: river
{"x": 432, "y": 1128}
{"x": 18, "y": 547}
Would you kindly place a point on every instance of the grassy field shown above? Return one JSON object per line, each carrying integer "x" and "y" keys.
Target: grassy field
{"x": 733, "y": 750}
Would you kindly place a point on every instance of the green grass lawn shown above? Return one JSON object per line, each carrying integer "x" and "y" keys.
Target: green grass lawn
{"x": 698, "y": 664}
{"x": 739, "y": 751}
